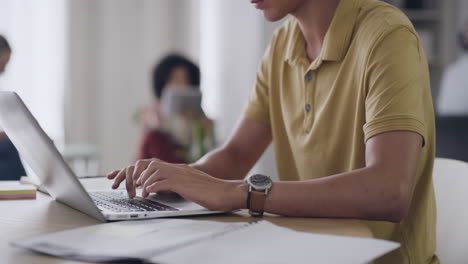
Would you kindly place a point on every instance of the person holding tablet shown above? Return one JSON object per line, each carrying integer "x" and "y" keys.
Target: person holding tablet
{"x": 168, "y": 136}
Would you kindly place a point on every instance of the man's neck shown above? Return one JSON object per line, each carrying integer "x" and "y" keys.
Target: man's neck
{"x": 315, "y": 17}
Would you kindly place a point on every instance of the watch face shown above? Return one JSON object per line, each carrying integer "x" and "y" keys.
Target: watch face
{"x": 259, "y": 181}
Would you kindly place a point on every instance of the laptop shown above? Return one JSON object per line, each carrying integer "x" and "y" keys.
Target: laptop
{"x": 40, "y": 153}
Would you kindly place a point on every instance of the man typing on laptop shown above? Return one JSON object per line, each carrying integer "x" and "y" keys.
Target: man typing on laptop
{"x": 343, "y": 92}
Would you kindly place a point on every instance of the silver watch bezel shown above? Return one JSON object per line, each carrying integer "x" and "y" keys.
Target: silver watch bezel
{"x": 257, "y": 187}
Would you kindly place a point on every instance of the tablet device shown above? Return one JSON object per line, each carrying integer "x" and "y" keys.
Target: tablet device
{"x": 181, "y": 102}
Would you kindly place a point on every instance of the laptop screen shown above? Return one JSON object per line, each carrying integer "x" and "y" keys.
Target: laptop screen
{"x": 40, "y": 153}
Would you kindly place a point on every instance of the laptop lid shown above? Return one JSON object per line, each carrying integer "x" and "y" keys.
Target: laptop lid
{"x": 39, "y": 151}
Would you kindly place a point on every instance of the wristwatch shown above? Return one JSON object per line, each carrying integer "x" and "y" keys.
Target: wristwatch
{"x": 259, "y": 186}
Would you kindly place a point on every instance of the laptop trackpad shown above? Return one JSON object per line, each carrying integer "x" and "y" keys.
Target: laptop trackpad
{"x": 175, "y": 200}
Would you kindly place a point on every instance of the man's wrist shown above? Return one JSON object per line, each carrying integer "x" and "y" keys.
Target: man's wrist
{"x": 238, "y": 194}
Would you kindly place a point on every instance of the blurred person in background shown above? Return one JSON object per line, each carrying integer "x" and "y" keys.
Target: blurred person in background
{"x": 177, "y": 74}
{"x": 453, "y": 96}
{"x": 10, "y": 163}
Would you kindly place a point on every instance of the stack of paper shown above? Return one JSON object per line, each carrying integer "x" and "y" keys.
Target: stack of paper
{"x": 188, "y": 241}
{"x": 15, "y": 191}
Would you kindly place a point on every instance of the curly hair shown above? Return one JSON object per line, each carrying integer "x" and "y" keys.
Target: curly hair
{"x": 164, "y": 68}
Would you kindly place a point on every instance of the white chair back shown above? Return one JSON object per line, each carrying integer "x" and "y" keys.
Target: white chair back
{"x": 451, "y": 191}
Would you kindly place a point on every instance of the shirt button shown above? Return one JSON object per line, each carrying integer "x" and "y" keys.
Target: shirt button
{"x": 308, "y": 107}
{"x": 309, "y": 77}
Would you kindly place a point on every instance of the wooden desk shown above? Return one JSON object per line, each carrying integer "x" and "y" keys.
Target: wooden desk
{"x": 25, "y": 218}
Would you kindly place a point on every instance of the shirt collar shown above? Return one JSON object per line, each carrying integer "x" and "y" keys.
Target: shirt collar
{"x": 337, "y": 38}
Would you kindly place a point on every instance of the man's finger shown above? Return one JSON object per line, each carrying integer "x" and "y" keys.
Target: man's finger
{"x": 140, "y": 166}
{"x": 152, "y": 167}
{"x": 159, "y": 186}
{"x": 111, "y": 175}
{"x": 129, "y": 182}
{"x": 119, "y": 178}
{"x": 151, "y": 179}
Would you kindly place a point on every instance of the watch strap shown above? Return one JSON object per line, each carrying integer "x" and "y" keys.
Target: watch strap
{"x": 256, "y": 202}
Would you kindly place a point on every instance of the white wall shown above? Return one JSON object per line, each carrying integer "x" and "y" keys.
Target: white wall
{"x": 36, "y": 31}
{"x": 233, "y": 39}
{"x": 84, "y": 66}
{"x": 114, "y": 44}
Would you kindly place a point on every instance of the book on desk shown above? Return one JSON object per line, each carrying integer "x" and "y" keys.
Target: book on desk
{"x": 197, "y": 241}
{"x": 14, "y": 190}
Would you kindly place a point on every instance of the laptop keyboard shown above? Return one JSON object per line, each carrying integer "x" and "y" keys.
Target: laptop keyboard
{"x": 119, "y": 202}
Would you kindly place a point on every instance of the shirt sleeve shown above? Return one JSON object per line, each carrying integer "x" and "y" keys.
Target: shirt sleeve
{"x": 258, "y": 106}
{"x": 398, "y": 91}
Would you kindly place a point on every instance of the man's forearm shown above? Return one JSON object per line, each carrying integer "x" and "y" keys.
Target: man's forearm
{"x": 357, "y": 194}
{"x": 223, "y": 164}
{"x": 235, "y": 158}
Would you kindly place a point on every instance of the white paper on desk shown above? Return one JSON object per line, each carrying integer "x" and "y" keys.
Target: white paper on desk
{"x": 136, "y": 240}
{"x": 264, "y": 242}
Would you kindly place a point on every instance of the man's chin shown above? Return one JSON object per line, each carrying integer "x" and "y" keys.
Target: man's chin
{"x": 273, "y": 17}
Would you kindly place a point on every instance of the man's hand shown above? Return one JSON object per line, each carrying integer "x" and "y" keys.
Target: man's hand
{"x": 194, "y": 185}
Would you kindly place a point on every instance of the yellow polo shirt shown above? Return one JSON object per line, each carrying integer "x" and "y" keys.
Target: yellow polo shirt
{"x": 370, "y": 77}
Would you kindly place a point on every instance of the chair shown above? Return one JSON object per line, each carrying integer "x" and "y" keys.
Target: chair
{"x": 451, "y": 137}
{"x": 11, "y": 168}
{"x": 451, "y": 191}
